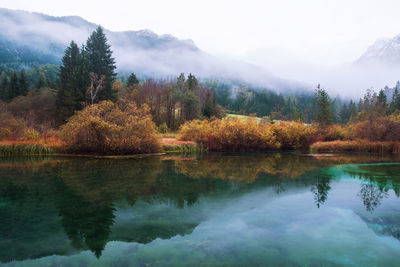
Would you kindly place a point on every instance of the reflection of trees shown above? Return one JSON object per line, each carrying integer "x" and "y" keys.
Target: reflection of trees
{"x": 372, "y": 196}
{"x": 84, "y": 223}
{"x": 321, "y": 188}
{"x": 84, "y": 192}
{"x": 379, "y": 179}
{"x": 246, "y": 168}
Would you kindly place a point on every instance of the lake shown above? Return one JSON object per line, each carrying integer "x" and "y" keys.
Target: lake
{"x": 205, "y": 210}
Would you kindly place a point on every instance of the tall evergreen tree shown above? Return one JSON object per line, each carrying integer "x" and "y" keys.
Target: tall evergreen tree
{"x": 42, "y": 81}
{"x": 191, "y": 105}
{"x": 73, "y": 83}
{"x": 132, "y": 80}
{"x": 345, "y": 113}
{"x": 100, "y": 61}
{"x": 353, "y": 110}
{"x": 4, "y": 88}
{"x": 381, "y": 102}
{"x": 209, "y": 105}
{"x": 324, "y": 113}
{"x": 13, "y": 89}
{"x": 395, "y": 104}
{"x": 22, "y": 83}
{"x": 191, "y": 83}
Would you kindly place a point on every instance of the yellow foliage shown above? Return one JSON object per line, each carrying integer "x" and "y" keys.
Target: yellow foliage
{"x": 31, "y": 135}
{"x": 230, "y": 135}
{"x": 294, "y": 135}
{"x": 105, "y": 128}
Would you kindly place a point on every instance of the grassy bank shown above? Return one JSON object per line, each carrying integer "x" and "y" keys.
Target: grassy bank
{"x": 13, "y": 148}
{"x": 40, "y": 147}
{"x": 172, "y": 145}
{"x": 356, "y": 146}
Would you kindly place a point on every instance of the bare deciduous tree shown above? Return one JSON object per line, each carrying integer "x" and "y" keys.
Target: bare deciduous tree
{"x": 96, "y": 85}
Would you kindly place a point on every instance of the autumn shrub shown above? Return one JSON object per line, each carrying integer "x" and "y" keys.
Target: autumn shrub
{"x": 294, "y": 135}
{"x": 230, "y": 135}
{"x": 37, "y": 108}
{"x": 31, "y": 135}
{"x": 379, "y": 129}
{"x": 11, "y": 127}
{"x": 335, "y": 132}
{"x": 105, "y": 128}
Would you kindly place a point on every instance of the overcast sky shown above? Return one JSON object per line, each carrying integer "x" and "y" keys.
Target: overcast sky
{"x": 329, "y": 32}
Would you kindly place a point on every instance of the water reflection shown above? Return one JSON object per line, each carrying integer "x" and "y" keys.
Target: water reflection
{"x": 87, "y": 224}
{"x": 321, "y": 188}
{"x": 79, "y": 204}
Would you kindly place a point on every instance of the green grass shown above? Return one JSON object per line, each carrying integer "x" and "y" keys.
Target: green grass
{"x": 26, "y": 149}
{"x": 184, "y": 148}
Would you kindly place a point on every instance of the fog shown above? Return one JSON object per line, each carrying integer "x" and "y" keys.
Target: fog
{"x": 160, "y": 56}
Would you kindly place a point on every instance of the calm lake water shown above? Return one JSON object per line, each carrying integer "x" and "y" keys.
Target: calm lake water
{"x": 212, "y": 210}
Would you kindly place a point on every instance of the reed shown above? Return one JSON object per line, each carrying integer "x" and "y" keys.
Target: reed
{"x": 187, "y": 148}
{"x": 356, "y": 146}
{"x": 12, "y": 149}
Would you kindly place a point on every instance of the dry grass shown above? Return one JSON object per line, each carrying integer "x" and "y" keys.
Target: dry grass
{"x": 356, "y": 146}
{"x": 176, "y": 142}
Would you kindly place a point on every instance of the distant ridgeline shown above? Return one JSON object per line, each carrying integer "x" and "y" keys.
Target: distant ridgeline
{"x": 15, "y": 55}
{"x": 24, "y": 67}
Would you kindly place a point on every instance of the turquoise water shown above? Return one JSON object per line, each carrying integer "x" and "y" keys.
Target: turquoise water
{"x": 212, "y": 210}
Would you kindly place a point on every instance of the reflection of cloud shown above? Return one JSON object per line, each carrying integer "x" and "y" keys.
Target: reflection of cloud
{"x": 257, "y": 229}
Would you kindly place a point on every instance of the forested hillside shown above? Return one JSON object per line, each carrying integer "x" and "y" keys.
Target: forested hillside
{"x": 83, "y": 105}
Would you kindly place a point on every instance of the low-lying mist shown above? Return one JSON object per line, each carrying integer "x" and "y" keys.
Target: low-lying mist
{"x": 161, "y": 56}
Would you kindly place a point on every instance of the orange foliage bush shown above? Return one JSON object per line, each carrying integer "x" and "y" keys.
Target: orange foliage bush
{"x": 248, "y": 135}
{"x": 11, "y": 127}
{"x": 379, "y": 129}
{"x": 105, "y": 128}
{"x": 294, "y": 135}
{"x": 335, "y": 132}
{"x": 230, "y": 135}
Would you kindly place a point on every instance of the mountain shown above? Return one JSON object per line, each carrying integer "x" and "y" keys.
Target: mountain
{"x": 382, "y": 52}
{"x": 28, "y": 38}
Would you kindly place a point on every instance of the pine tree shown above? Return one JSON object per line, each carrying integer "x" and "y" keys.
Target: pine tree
{"x": 180, "y": 82}
{"x": 345, "y": 113}
{"x": 73, "y": 83}
{"x": 209, "y": 104}
{"x": 42, "y": 81}
{"x": 324, "y": 113}
{"x": 191, "y": 105}
{"x": 13, "y": 88}
{"x": 132, "y": 80}
{"x": 22, "y": 83}
{"x": 191, "y": 83}
{"x": 100, "y": 61}
{"x": 395, "y": 104}
{"x": 353, "y": 110}
{"x": 4, "y": 88}
{"x": 381, "y": 102}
